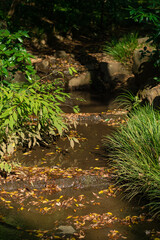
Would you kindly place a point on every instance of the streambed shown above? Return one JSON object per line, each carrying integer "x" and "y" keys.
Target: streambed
{"x": 75, "y": 195}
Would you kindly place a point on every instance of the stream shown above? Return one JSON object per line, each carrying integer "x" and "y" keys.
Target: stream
{"x": 87, "y": 205}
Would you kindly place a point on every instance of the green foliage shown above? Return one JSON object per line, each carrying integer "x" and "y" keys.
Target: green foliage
{"x": 128, "y": 101}
{"x": 5, "y": 167}
{"x": 72, "y": 70}
{"x": 13, "y": 56}
{"x": 135, "y": 154}
{"x": 30, "y": 115}
{"x": 122, "y": 49}
{"x": 149, "y": 15}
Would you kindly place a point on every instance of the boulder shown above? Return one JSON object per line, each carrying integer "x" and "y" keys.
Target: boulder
{"x": 143, "y": 68}
{"x": 150, "y": 93}
{"x": 66, "y": 230}
{"x": 139, "y": 60}
{"x": 42, "y": 66}
{"x": 19, "y": 77}
{"x": 83, "y": 79}
{"x": 114, "y": 75}
{"x": 60, "y": 54}
{"x": 142, "y": 40}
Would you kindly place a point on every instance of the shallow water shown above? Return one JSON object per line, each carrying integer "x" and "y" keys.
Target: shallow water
{"x": 89, "y": 153}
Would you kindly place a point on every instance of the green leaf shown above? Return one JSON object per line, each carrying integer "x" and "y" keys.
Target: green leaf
{"x": 15, "y": 116}
{"x": 2, "y": 164}
{"x": 11, "y": 122}
{"x": 59, "y": 128}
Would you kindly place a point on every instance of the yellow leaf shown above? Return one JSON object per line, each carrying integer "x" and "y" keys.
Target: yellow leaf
{"x": 69, "y": 217}
{"x": 21, "y": 208}
{"x": 27, "y": 153}
{"x": 109, "y": 213}
{"x": 3, "y": 199}
{"x": 50, "y": 153}
{"x": 100, "y": 192}
{"x": 39, "y": 235}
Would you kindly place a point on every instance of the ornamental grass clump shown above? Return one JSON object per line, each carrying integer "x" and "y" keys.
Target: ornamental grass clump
{"x": 122, "y": 50}
{"x": 135, "y": 153}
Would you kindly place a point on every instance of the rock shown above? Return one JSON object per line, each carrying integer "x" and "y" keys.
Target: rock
{"x": 52, "y": 60}
{"x": 19, "y": 77}
{"x": 114, "y": 74}
{"x": 139, "y": 61}
{"x": 116, "y": 67}
{"x": 150, "y": 93}
{"x": 122, "y": 81}
{"x": 60, "y": 54}
{"x": 104, "y": 72}
{"x": 142, "y": 40}
{"x": 66, "y": 230}
{"x": 143, "y": 68}
{"x": 82, "y": 80}
{"x": 108, "y": 70}
{"x": 91, "y": 66}
{"x": 59, "y": 37}
{"x": 43, "y": 42}
{"x": 42, "y": 66}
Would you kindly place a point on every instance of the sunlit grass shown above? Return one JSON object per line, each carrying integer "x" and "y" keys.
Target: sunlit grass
{"x": 135, "y": 153}
{"x": 122, "y": 49}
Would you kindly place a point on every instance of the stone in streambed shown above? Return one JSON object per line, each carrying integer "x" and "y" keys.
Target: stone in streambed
{"x": 66, "y": 230}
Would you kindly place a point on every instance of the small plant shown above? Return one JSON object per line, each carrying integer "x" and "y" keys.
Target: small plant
{"x": 5, "y": 167}
{"x": 122, "y": 49}
{"x": 128, "y": 101}
{"x": 30, "y": 115}
{"x": 135, "y": 154}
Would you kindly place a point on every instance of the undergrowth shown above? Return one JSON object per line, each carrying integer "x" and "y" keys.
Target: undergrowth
{"x": 30, "y": 112}
{"x": 128, "y": 101}
{"x": 135, "y": 154}
{"x": 122, "y": 49}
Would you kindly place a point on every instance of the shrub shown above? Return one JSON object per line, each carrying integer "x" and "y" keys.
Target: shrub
{"x": 122, "y": 50}
{"x": 13, "y": 56}
{"x": 135, "y": 152}
{"x": 148, "y": 14}
{"x": 30, "y": 115}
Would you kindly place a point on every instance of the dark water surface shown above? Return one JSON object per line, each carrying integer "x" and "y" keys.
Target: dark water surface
{"x": 89, "y": 153}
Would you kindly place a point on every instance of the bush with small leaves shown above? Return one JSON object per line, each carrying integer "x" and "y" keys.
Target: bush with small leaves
{"x": 13, "y": 56}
